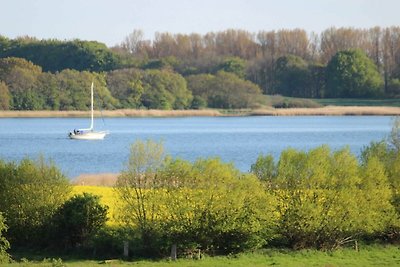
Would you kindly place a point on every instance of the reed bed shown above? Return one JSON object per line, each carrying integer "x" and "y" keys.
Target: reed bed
{"x": 100, "y": 179}
{"x": 108, "y": 113}
{"x": 320, "y": 111}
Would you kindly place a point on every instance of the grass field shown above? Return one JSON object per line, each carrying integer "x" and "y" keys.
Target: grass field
{"x": 376, "y": 255}
{"x": 358, "y": 102}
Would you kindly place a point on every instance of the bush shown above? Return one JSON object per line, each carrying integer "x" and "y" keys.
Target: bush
{"x": 207, "y": 204}
{"x": 4, "y": 245}
{"x": 278, "y": 101}
{"x": 30, "y": 193}
{"x": 213, "y": 206}
{"x": 78, "y": 220}
{"x": 326, "y": 198}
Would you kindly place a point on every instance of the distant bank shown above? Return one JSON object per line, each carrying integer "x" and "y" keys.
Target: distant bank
{"x": 322, "y": 111}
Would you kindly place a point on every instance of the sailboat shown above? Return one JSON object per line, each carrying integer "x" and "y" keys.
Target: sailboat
{"x": 89, "y": 133}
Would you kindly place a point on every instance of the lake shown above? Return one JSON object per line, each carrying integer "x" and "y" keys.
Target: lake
{"x": 234, "y": 139}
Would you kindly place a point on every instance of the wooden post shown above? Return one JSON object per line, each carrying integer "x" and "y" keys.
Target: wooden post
{"x": 173, "y": 252}
{"x": 126, "y": 249}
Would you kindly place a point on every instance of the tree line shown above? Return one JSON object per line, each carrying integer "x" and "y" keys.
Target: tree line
{"x": 319, "y": 198}
{"x": 337, "y": 63}
{"x": 262, "y": 51}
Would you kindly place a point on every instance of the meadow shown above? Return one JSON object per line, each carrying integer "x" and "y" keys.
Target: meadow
{"x": 368, "y": 255}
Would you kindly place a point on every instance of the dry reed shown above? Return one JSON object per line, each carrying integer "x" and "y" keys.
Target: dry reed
{"x": 101, "y": 179}
{"x": 108, "y": 113}
{"x": 322, "y": 111}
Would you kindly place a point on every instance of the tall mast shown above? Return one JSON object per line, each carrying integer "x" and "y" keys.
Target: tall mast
{"x": 91, "y": 107}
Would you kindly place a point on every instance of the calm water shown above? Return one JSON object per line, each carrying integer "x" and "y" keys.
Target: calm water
{"x": 234, "y": 139}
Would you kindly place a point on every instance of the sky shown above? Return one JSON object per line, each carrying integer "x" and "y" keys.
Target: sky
{"x": 110, "y": 21}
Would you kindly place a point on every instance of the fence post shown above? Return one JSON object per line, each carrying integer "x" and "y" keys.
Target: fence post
{"x": 126, "y": 249}
{"x": 173, "y": 252}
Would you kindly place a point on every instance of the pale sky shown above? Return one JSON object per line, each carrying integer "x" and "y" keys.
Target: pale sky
{"x": 109, "y": 21}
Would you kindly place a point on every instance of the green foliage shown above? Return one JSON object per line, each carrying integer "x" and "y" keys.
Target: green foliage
{"x": 73, "y": 90}
{"x": 5, "y": 96}
{"x": 30, "y": 193}
{"x": 21, "y": 78}
{"x": 293, "y": 76}
{"x": 207, "y": 204}
{"x": 326, "y": 199}
{"x": 134, "y": 187}
{"x": 351, "y": 73}
{"x": 127, "y": 86}
{"x": 394, "y": 88}
{"x": 278, "y": 101}
{"x": 212, "y": 206}
{"x": 78, "y": 220}
{"x": 166, "y": 63}
{"x": 264, "y": 168}
{"x": 53, "y": 55}
{"x": 4, "y": 245}
{"x": 394, "y": 137}
{"x": 165, "y": 90}
{"x": 224, "y": 90}
{"x": 387, "y": 154}
{"x": 234, "y": 65}
{"x": 198, "y": 103}
{"x": 200, "y": 85}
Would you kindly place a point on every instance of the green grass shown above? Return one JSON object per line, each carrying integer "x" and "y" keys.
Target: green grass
{"x": 376, "y": 255}
{"x": 358, "y": 102}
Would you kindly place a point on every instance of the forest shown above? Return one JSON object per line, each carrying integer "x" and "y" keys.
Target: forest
{"x": 227, "y": 69}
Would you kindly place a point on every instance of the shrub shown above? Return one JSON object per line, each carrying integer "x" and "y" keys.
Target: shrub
{"x": 4, "y": 245}
{"x": 78, "y": 219}
{"x": 206, "y": 204}
{"x": 325, "y": 198}
{"x": 30, "y": 193}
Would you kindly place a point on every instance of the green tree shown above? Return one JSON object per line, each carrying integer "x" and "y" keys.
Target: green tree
{"x": 351, "y": 73}
{"x": 4, "y": 245}
{"x": 74, "y": 90}
{"x": 135, "y": 187}
{"x": 229, "y": 91}
{"x": 394, "y": 137}
{"x": 393, "y": 88}
{"x": 54, "y": 55}
{"x": 198, "y": 103}
{"x": 265, "y": 169}
{"x": 21, "y": 77}
{"x": 326, "y": 199}
{"x": 78, "y": 219}
{"x": 4, "y": 96}
{"x": 293, "y": 76}
{"x": 164, "y": 89}
{"x": 234, "y": 65}
{"x": 377, "y": 197}
{"x": 213, "y": 206}
{"x": 127, "y": 86}
{"x": 30, "y": 193}
{"x": 200, "y": 85}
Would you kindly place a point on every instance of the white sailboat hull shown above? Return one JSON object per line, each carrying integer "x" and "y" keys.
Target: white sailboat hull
{"x": 88, "y": 135}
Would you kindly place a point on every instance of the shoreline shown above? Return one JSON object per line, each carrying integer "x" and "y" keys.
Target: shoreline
{"x": 134, "y": 113}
